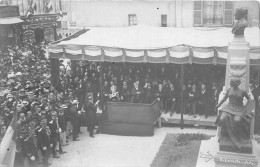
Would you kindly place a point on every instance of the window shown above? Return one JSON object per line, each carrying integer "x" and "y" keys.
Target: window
{"x": 49, "y": 34}
{"x": 197, "y": 13}
{"x": 132, "y": 19}
{"x": 164, "y": 20}
{"x": 213, "y": 13}
{"x": 228, "y": 13}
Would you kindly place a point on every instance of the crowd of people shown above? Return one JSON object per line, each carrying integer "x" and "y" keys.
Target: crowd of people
{"x": 46, "y": 119}
{"x": 50, "y": 115}
{"x": 144, "y": 83}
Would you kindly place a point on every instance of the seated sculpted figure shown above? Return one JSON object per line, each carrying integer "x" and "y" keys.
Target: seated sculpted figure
{"x": 234, "y": 118}
{"x": 241, "y": 24}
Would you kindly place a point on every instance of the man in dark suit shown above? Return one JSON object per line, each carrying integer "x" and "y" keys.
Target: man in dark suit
{"x": 29, "y": 150}
{"x": 54, "y": 136}
{"x": 74, "y": 120}
{"x": 171, "y": 96}
{"x": 214, "y": 97}
{"x": 43, "y": 141}
{"x": 137, "y": 93}
{"x": 125, "y": 93}
{"x": 159, "y": 95}
{"x": 91, "y": 110}
{"x": 148, "y": 93}
{"x": 203, "y": 101}
{"x": 62, "y": 123}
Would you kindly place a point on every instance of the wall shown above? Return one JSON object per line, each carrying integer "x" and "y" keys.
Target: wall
{"x": 187, "y": 13}
{"x": 91, "y": 13}
{"x": 115, "y": 13}
{"x": 24, "y": 6}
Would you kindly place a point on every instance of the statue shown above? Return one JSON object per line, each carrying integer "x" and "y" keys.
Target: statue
{"x": 241, "y": 24}
{"x": 234, "y": 118}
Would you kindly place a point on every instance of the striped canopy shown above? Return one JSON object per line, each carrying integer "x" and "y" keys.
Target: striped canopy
{"x": 153, "y": 44}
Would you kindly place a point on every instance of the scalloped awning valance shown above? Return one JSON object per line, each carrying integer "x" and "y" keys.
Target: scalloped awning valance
{"x": 153, "y": 44}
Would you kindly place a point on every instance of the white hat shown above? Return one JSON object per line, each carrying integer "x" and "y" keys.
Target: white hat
{"x": 19, "y": 73}
{"x": 9, "y": 96}
{"x": 11, "y": 75}
{"x": 63, "y": 106}
{"x": 74, "y": 102}
{"x": 25, "y": 102}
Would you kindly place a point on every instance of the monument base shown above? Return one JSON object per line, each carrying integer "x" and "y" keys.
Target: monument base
{"x": 229, "y": 146}
{"x": 228, "y": 159}
{"x": 209, "y": 155}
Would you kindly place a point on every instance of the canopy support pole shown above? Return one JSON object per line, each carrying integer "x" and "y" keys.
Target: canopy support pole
{"x": 101, "y": 86}
{"x": 182, "y": 99}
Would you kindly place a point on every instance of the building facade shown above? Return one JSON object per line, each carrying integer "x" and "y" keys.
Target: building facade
{"x": 40, "y": 18}
{"x": 170, "y": 13}
{"x": 10, "y": 24}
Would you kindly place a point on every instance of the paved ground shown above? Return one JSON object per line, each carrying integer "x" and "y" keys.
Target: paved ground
{"x": 117, "y": 151}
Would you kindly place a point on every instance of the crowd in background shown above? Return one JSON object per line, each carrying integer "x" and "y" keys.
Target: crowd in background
{"x": 46, "y": 119}
{"x": 144, "y": 83}
{"x": 49, "y": 115}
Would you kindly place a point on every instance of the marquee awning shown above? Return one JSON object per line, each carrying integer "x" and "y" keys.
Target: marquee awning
{"x": 10, "y": 20}
{"x": 154, "y": 45}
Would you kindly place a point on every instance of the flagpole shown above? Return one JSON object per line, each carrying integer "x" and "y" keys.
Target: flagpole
{"x": 101, "y": 86}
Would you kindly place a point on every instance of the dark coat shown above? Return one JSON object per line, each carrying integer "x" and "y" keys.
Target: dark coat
{"x": 192, "y": 97}
{"x": 126, "y": 94}
{"x": 203, "y": 97}
{"x": 62, "y": 122}
{"x": 137, "y": 95}
{"x": 29, "y": 148}
{"x": 74, "y": 116}
{"x": 54, "y": 130}
{"x": 149, "y": 95}
{"x": 90, "y": 113}
{"x": 42, "y": 139}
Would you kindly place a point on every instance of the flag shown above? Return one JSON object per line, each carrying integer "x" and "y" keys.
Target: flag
{"x": 60, "y": 13}
{"x": 8, "y": 144}
{"x": 28, "y": 14}
{"x": 49, "y": 5}
{"x": 34, "y": 6}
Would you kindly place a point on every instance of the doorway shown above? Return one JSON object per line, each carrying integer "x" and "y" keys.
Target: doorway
{"x": 39, "y": 35}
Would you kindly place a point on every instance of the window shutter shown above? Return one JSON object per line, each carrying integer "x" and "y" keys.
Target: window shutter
{"x": 228, "y": 13}
{"x": 198, "y": 13}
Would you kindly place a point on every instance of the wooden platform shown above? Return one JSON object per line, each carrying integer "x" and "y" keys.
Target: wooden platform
{"x": 189, "y": 120}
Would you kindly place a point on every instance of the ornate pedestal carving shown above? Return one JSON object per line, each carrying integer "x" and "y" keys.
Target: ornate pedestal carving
{"x": 238, "y": 62}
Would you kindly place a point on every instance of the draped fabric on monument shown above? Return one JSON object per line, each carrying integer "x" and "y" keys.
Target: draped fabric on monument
{"x": 141, "y": 44}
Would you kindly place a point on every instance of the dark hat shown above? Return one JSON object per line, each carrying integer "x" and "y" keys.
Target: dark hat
{"x": 43, "y": 120}
{"x": 23, "y": 130}
{"x": 30, "y": 93}
{"x": 3, "y": 83}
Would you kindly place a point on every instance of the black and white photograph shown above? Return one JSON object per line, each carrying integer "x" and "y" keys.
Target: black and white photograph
{"x": 129, "y": 83}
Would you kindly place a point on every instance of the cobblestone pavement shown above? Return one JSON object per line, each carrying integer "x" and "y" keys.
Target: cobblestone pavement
{"x": 117, "y": 151}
